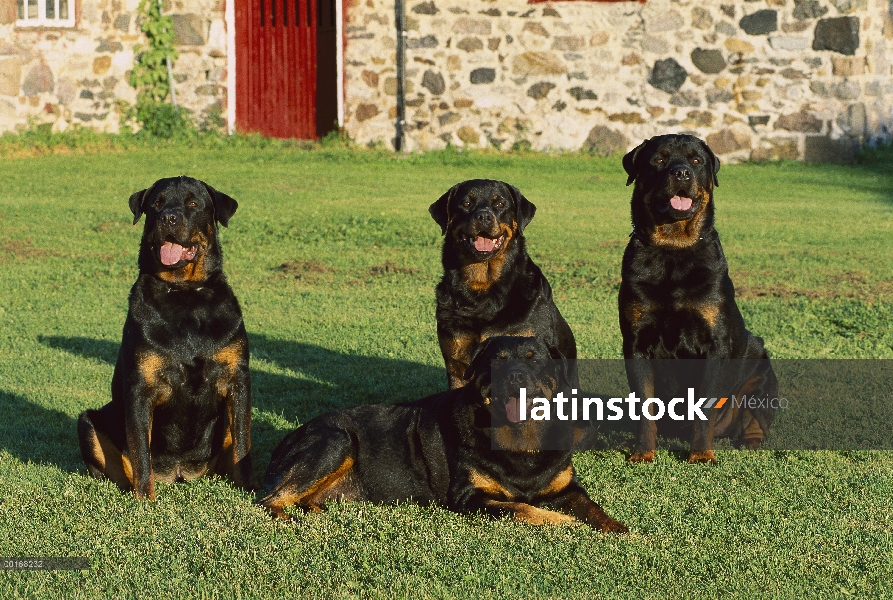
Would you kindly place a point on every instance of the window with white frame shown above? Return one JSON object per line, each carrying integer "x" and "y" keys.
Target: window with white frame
{"x": 45, "y": 13}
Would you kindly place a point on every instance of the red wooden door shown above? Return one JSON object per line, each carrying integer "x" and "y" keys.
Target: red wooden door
{"x": 276, "y": 67}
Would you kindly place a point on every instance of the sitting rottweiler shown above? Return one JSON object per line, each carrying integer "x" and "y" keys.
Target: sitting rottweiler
{"x": 463, "y": 449}
{"x": 677, "y": 301}
{"x": 181, "y": 394}
{"x": 490, "y": 287}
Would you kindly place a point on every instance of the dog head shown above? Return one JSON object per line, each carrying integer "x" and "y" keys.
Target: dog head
{"x": 180, "y": 235}
{"x": 481, "y": 217}
{"x": 673, "y": 197}
{"x": 529, "y": 363}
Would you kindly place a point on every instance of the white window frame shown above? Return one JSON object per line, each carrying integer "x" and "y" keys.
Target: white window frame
{"x": 42, "y": 20}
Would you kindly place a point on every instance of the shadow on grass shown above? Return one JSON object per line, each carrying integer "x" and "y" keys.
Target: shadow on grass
{"x": 33, "y": 433}
{"x": 325, "y": 380}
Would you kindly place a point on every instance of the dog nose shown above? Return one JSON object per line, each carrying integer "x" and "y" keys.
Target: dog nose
{"x": 682, "y": 173}
{"x": 516, "y": 378}
{"x": 168, "y": 218}
{"x": 485, "y": 218}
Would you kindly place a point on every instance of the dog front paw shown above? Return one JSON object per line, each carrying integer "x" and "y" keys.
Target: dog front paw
{"x": 641, "y": 456}
{"x": 702, "y": 456}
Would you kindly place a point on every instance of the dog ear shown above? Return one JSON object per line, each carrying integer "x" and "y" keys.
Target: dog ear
{"x": 477, "y": 357}
{"x": 714, "y": 162}
{"x": 561, "y": 363}
{"x": 440, "y": 210}
{"x": 629, "y": 162}
{"x": 524, "y": 208}
{"x": 137, "y": 201}
{"x": 224, "y": 206}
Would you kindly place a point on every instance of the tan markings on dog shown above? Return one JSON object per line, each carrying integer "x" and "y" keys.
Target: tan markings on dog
{"x": 127, "y": 468}
{"x": 489, "y": 486}
{"x": 701, "y": 456}
{"x": 589, "y": 512}
{"x": 311, "y": 498}
{"x": 518, "y": 438}
{"x": 753, "y": 435}
{"x": 642, "y": 456}
{"x": 480, "y": 276}
{"x": 149, "y": 365}
{"x": 730, "y": 414}
{"x": 709, "y": 311}
{"x": 647, "y": 455}
{"x": 633, "y": 312}
{"x": 456, "y": 351}
{"x": 110, "y": 460}
{"x": 191, "y": 272}
{"x": 229, "y": 358}
{"x": 543, "y": 389}
{"x": 520, "y": 330}
{"x": 560, "y": 482}
{"x": 682, "y": 234}
{"x": 525, "y": 513}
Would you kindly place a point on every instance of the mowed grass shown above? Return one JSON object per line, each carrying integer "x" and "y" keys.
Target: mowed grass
{"x": 334, "y": 258}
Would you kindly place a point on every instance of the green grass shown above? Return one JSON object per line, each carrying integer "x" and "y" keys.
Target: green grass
{"x": 334, "y": 258}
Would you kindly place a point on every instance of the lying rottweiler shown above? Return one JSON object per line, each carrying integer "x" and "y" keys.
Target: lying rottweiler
{"x": 181, "y": 393}
{"x": 677, "y": 300}
{"x": 490, "y": 287}
{"x": 464, "y": 449}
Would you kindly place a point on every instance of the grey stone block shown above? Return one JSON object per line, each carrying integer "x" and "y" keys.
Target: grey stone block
{"x": 667, "y": 75}
{"x": 760, "y": 22}
{"x": 190, "y": 30}
{"x": 839, "y": 34}
{"x": 823, "y": 149}
{"x": 708, "y": 61}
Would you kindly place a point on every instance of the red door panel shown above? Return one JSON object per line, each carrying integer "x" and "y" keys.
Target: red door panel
{"x": 276, "y": 67}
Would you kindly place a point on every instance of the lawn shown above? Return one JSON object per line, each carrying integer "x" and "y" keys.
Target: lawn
{"x": 334, "y": 258}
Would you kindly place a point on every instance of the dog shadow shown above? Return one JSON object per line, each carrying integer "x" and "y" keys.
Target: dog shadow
{"x": 36, "y": 434}
{"x": 318, "y": 380}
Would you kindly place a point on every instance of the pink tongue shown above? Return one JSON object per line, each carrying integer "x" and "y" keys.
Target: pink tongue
{"x": 482, "y": 244}
{"x": 171, "y": 253}
{"x": 680, "y": 202}
{"x": 513, "y": 410}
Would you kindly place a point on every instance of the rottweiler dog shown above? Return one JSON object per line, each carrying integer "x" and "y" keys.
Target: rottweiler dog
{"x": 677, "y": 301}
{"x": 464, "y": 449}
{"x": 181, "y": 391}
{"x": 490, "y": 287}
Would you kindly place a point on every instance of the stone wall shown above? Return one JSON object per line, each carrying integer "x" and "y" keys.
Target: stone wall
{"x": 764, "y": 79}
{"x": 63, "y": 76}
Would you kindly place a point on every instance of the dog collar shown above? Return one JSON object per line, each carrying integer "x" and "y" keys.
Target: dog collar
{"x": 641, "y": 237}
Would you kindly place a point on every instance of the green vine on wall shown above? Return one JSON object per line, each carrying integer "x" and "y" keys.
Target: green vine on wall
{"x": 150, "y": 76}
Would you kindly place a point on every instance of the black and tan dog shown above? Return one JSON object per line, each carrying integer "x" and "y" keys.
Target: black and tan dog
{"x": 678, "y": 302}
{"x": 463, "y": 449}
{"x": 181, "y": 394}
{"x": 490, "y": 287}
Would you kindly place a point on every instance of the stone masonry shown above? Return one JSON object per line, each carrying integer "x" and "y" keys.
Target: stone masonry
{"x": 762, "y": 79}
{"x": 66, "y": 76}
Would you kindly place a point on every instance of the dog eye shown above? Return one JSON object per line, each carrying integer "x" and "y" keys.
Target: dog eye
{"x": 193, "y": 204}
{"x": 529, "y": 354}
{"x": 502, "y": 355}
{"x": 466, "y": 204}
{"x": 500, "y": 204}
{"x": 659, "y": 161}
{"x": 696, "y": 161}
